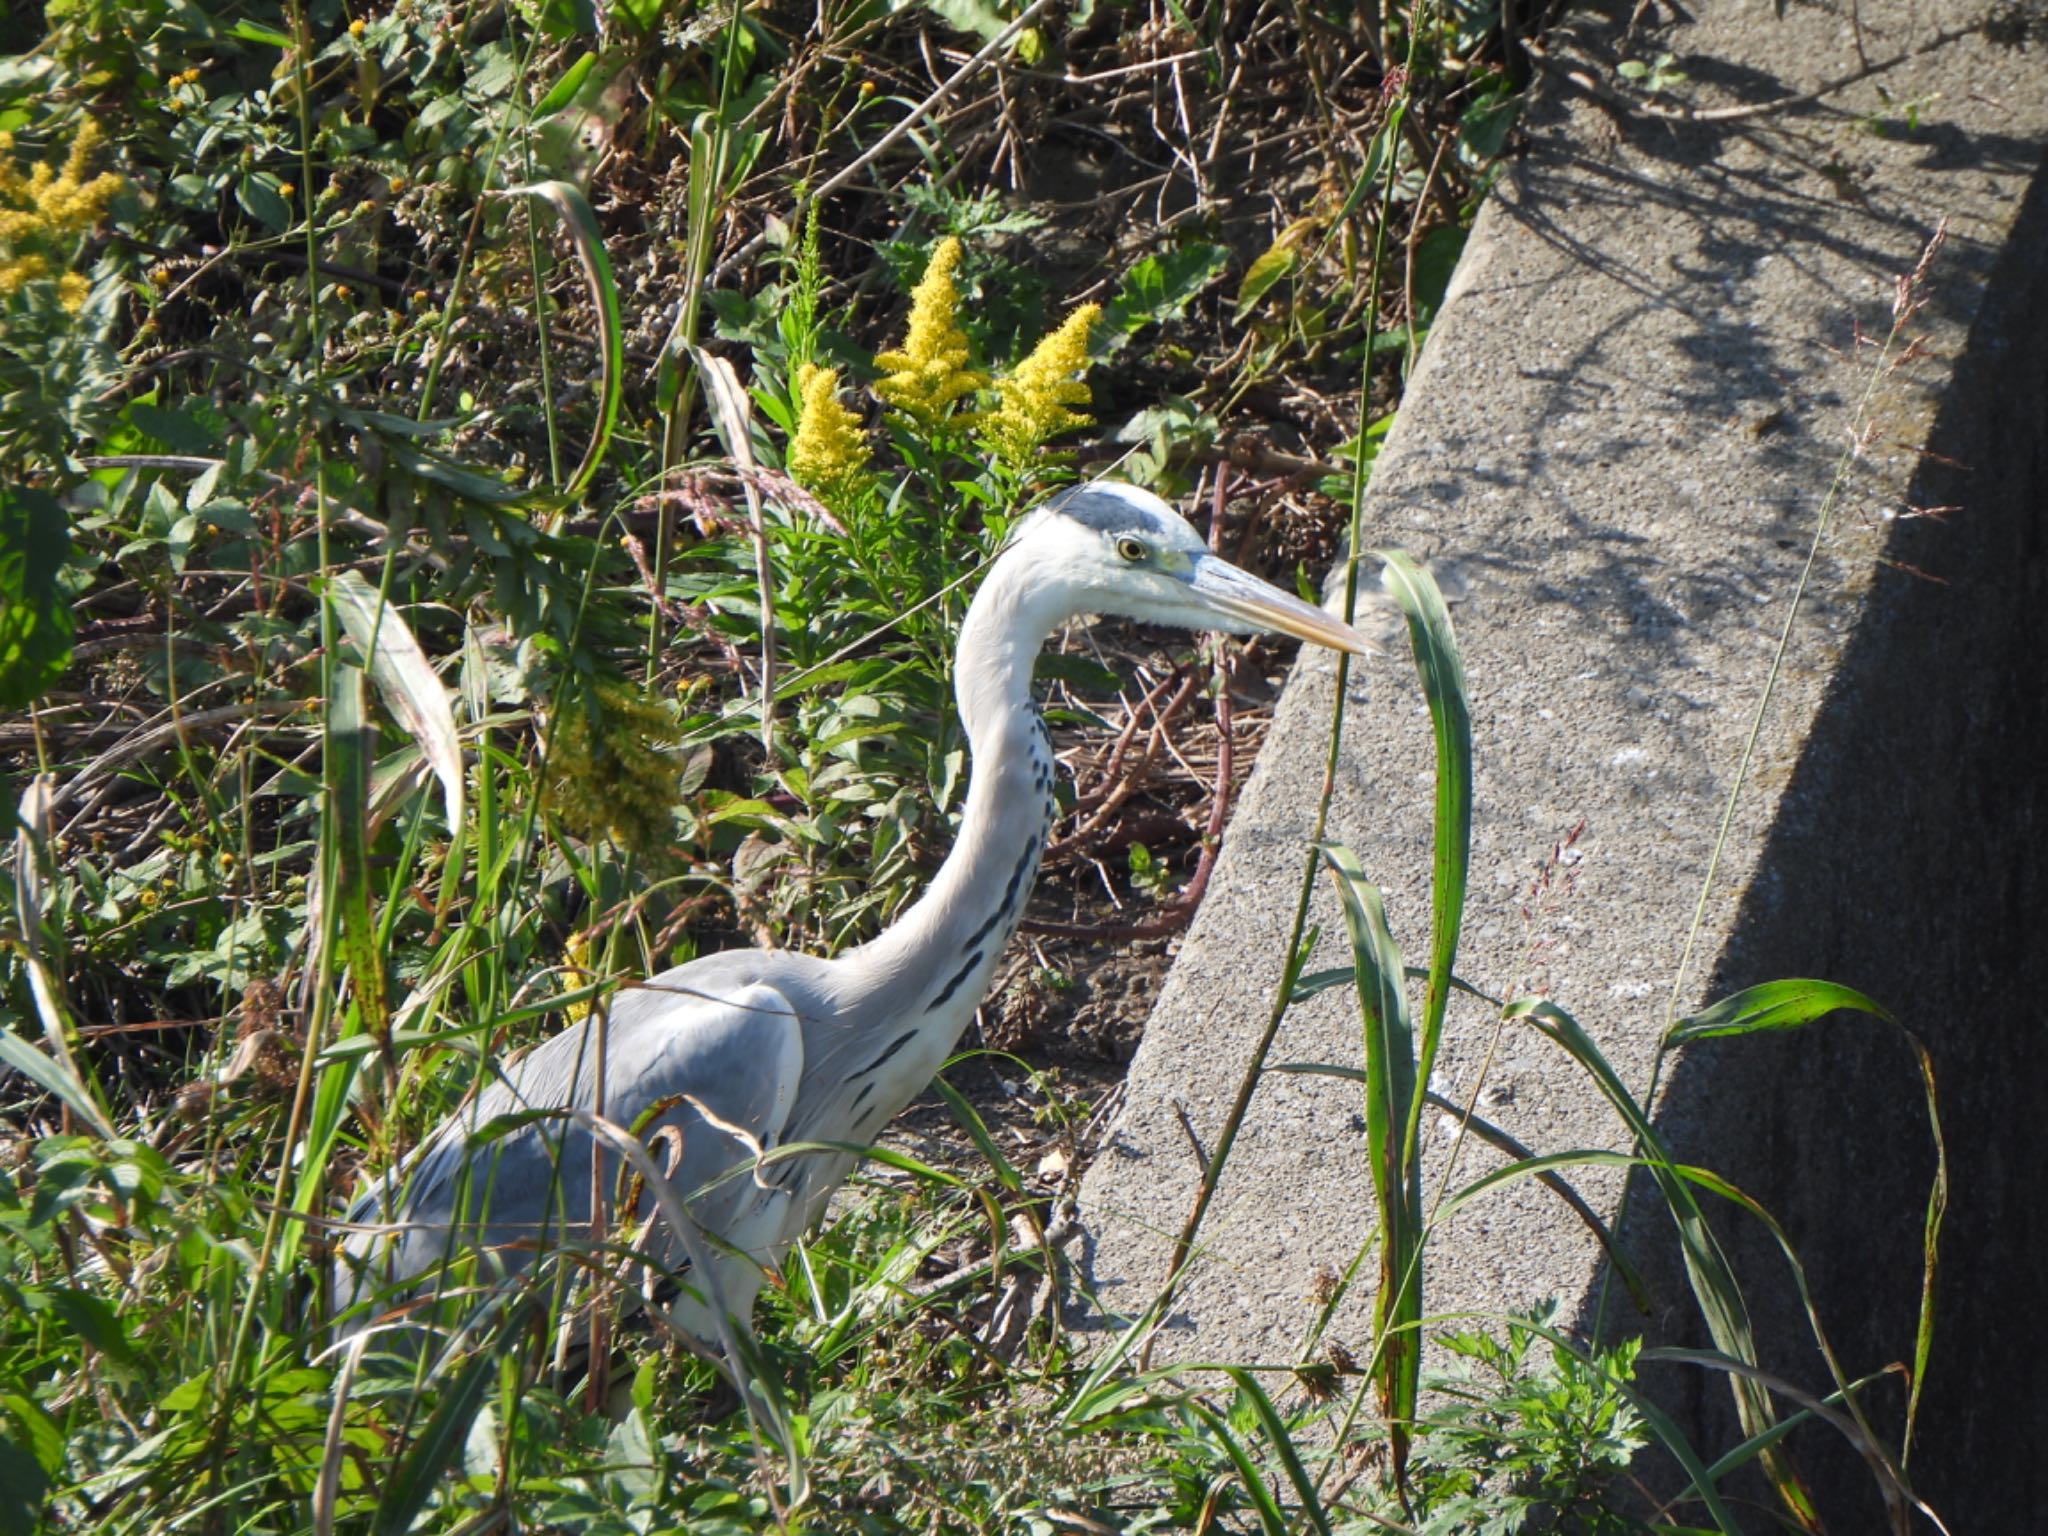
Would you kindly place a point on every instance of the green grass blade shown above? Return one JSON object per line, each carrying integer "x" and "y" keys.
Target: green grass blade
{"x": 1392, "y": 1094}
{"x": 1899, "y": 1499}
{"x": 1314, "y": 982}
{"x": 53, "y": 1077}
{"x": 588, "y": 240}
{"x": 58, "y": 1072}
{"x": 1739, "y": 1456}
{"x": 1713, "y": 1283}
{"x": 352, "y": 747}
{"x": 1442, "y": 673}
{"x": 447, "y": 1428}
{"x": 1283, "y": 1446}
{"x": 1772, "y": 1005}
{"x": 1783, "y": 1005}
{"x": 1271, "y": 1519}
{"x": 969, "y": 1120}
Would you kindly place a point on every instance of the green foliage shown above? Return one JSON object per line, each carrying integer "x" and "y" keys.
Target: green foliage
{"x": 1654, "y": 78}
{"x": 1531, "y": 1436}
{"x": 36, "y": 621}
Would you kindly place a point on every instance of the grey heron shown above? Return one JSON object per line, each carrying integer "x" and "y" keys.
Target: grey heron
{"x": 736, "y": 1054}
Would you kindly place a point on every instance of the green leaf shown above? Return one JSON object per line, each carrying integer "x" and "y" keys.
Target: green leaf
{"x": 467, "y": 483}
{"x": 567, "y": 18}
{"x": 1276, "y": 262}
{"x": 1393, "y": 1106}
{"x": 984, "y": 20}
{"x": 58, "y": 1071}
{"x": 91, "y": 1318}
{"x": 588, "y": 240}
{"x": 37, "y": 1430}
{"x": 351, "y": 748}
{"x": 1772, "y": 1005}
{"x": 36, "y": 620}
{"x": 565, "y": 89}
{"x": 1713, "y": 1283}
{"x": 24, "y": 1486}
{"x": 1442, "y": 674}
{"x": 184, "y": 430}
{"x": 1484, "y": 126}
{"x": 1159, "y": 287}
{"x": 250, "y": 32}
{"x": 1429, "y": 273}
{"x": 1272, "y": 1521}
{"x": 639, "y": 15}
{"x": 262, "y": 198}
{"x": 1076, "y": 671}
{"x": 1277, "y": 1436}
{"x": 1529, "y": 1166}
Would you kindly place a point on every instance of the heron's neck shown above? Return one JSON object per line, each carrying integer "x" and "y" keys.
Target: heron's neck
{"x": 943, "y": 950}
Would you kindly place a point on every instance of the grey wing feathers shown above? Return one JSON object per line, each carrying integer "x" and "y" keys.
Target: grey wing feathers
{"x": 737, "y": 1057}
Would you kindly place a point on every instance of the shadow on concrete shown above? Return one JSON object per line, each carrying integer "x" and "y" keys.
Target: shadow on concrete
{"x": 1908, "y": 860}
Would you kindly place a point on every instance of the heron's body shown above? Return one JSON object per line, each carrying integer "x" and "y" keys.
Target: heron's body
{"x": 780, "y": 1047}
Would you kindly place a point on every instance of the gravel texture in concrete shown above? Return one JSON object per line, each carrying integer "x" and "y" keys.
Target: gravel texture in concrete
{"x": 1615, "y": 454}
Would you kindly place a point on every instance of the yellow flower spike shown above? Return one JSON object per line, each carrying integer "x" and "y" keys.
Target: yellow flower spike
{"x": 576, "y": 967}
{"x": 81, "y": 151}
{"x": 610, "y": 771}
{"x": 930, "y": 372}
{"x": 829, "y": 453}
{"x": 46, "y": 207}
{"x": 1039, "y": 396}
{"x": 19, "y": 271}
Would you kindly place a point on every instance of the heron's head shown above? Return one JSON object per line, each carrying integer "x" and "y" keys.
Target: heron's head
{"x": 1112, "y": 548}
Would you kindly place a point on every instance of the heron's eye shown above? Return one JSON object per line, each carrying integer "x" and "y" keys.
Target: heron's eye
{"x": 1130, "y": 549}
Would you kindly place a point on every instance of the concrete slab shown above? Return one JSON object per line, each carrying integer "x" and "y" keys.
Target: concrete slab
{"x": 1615, "y": 451}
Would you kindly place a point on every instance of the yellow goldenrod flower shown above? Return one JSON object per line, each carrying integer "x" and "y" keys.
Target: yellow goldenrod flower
{"x": 576, "y": 972}
{"x": 1038, "y": 397}
{"x": 356, "y": 27}
{"x": 609, "y": 771}
{"x": 829, "y": 453}
{"x": 47, "y": 209}
{"x": 930, "y": 372}
{"x": 19, "y": 271}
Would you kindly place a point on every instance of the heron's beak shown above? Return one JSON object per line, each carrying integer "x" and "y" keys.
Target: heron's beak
{"x": 1223, "y": 589}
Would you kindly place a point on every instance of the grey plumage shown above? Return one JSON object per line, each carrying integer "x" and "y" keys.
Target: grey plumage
{"x": 743, "y": 1052}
